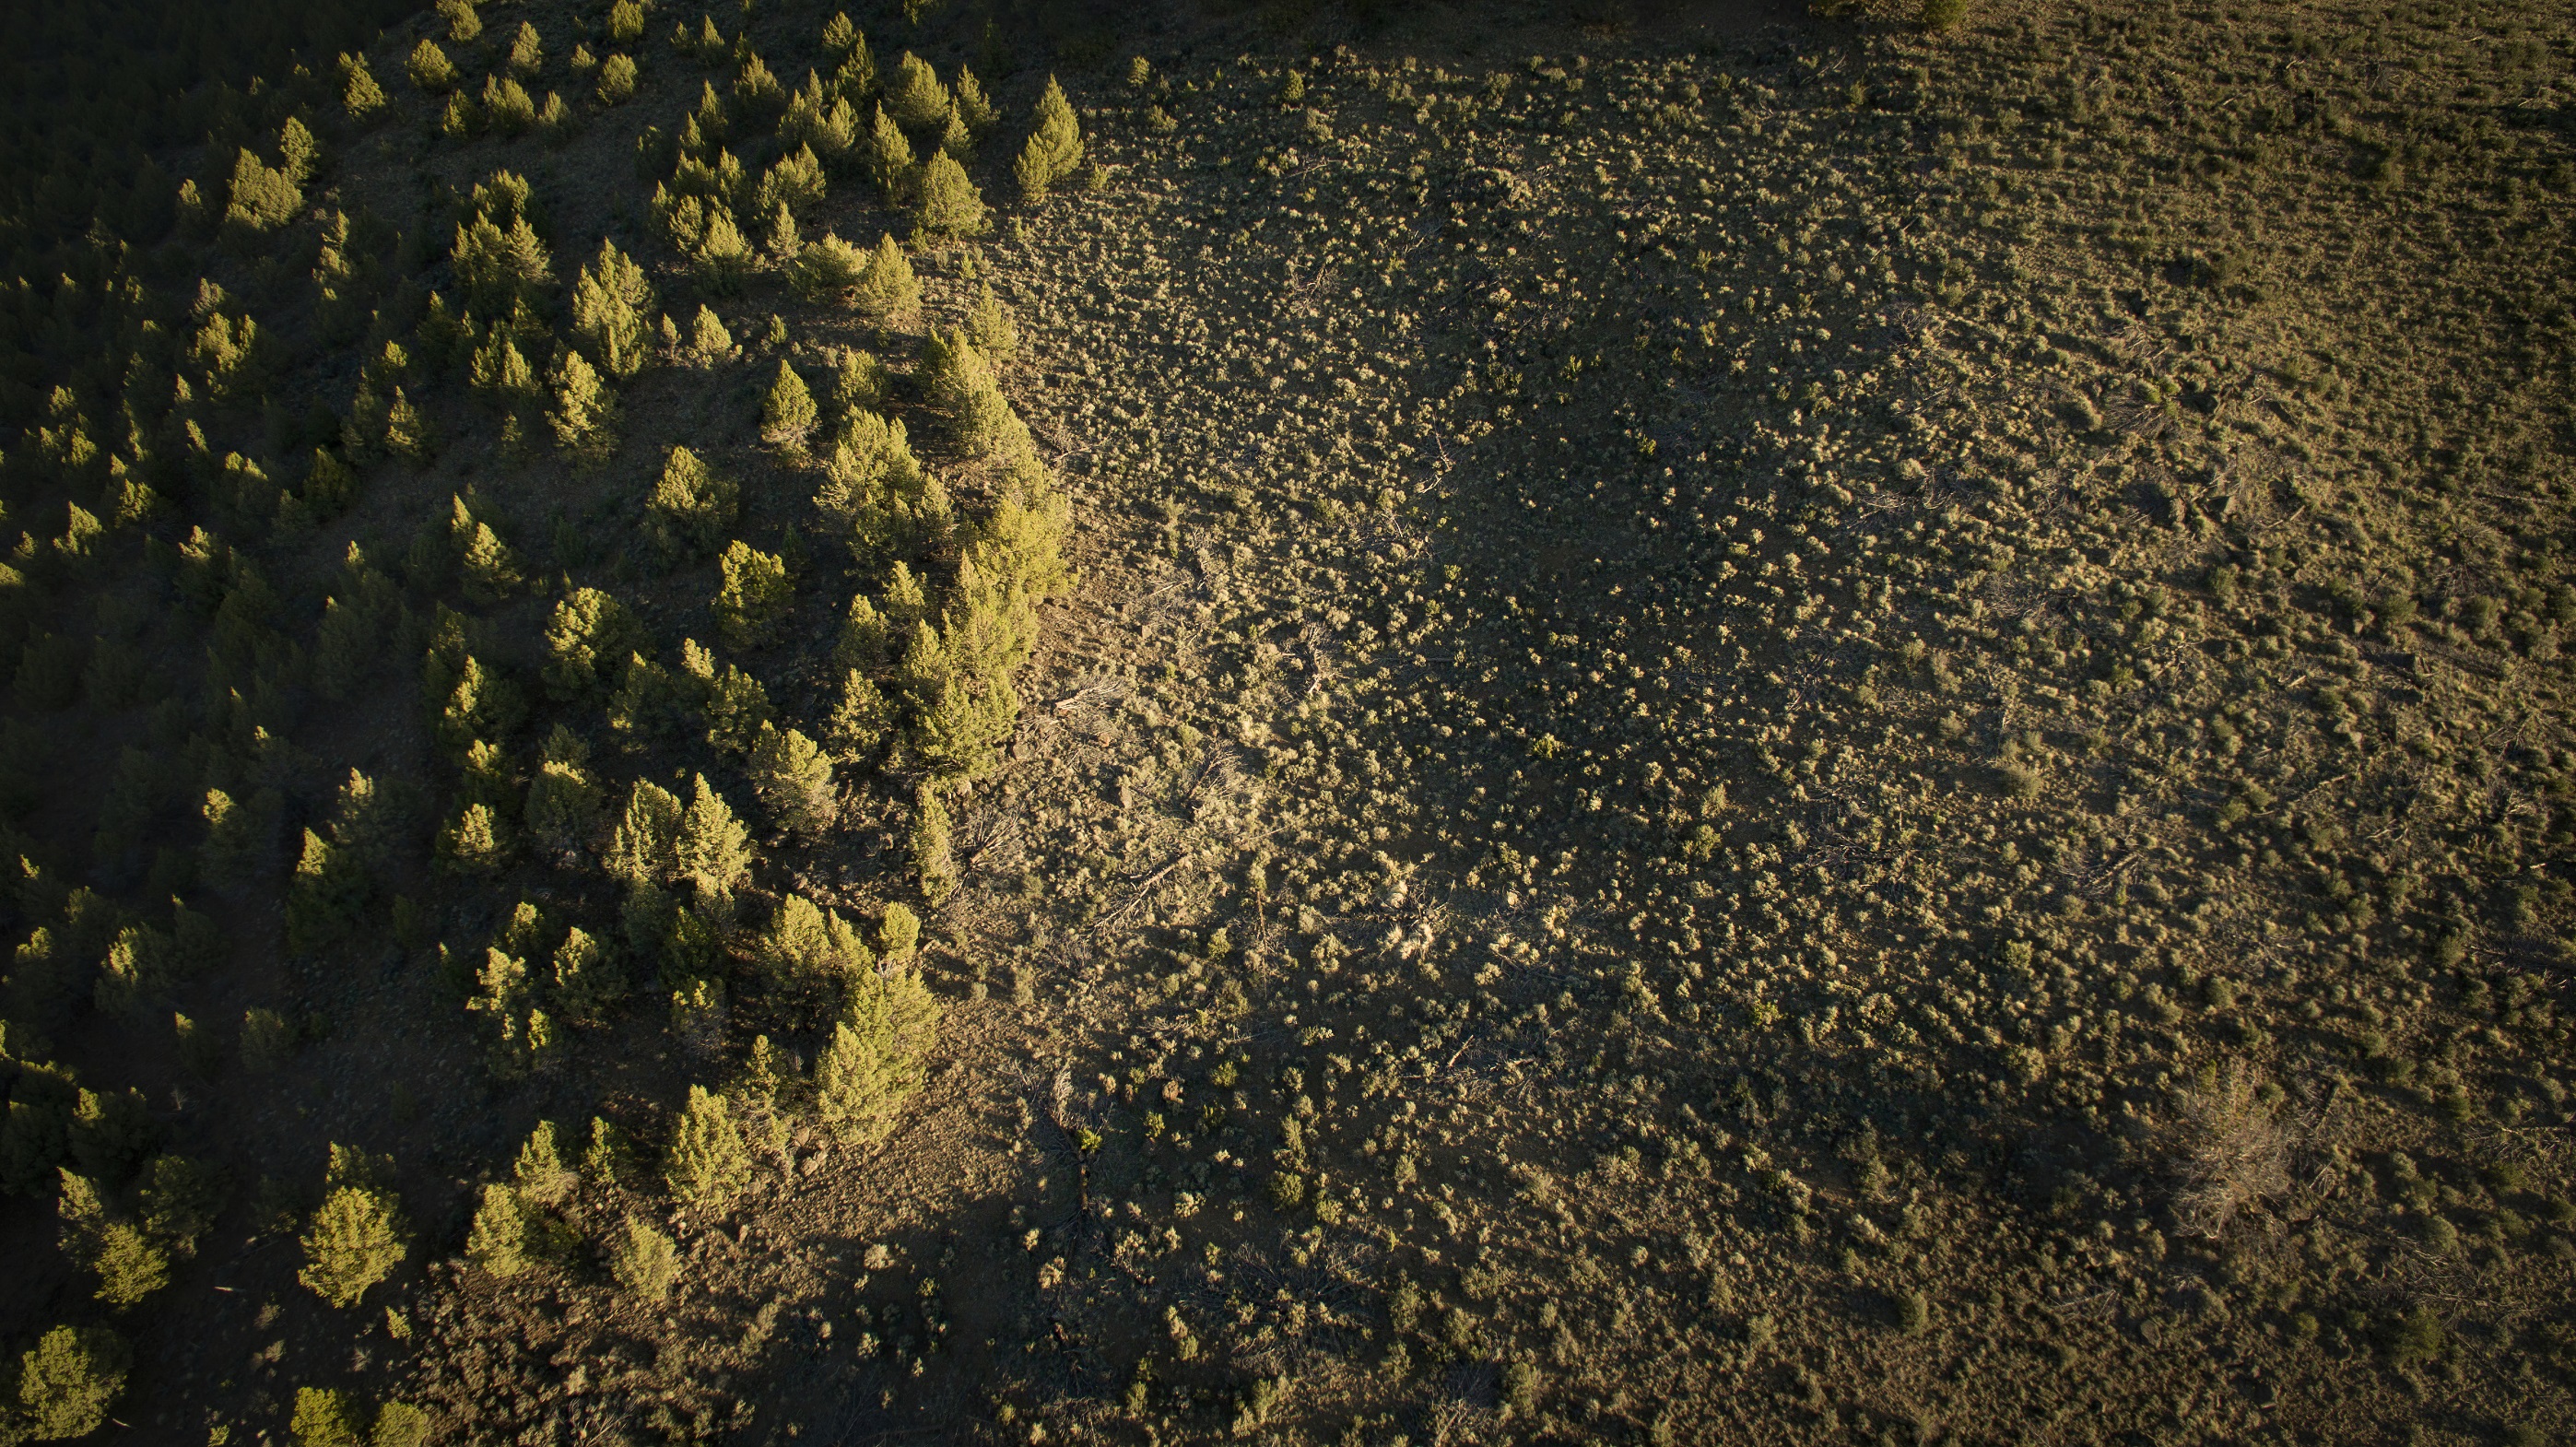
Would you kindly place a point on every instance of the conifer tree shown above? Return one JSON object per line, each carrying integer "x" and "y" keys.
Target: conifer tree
{"x": 616, "y": 80}
{"x": 644, "y": 1262}
{"x": 889, "y": 157}
{"x": 707, "y": 1166}
{"x": 839, "y": 34}
{"x": 856, "y": 76}
{"x": 589, "y": 630}
{"x": 796, "y": 182}
{"x": 500, "y": 267}
{"x": 794, "y": 778}
{"x": 713, "y": 851}
{"x": 69, "y": 1380}
{"x": 486, "y": 566}
{"x": 327, "y": 897}
{"x": 787, "y": 414}
{"x": 473, "y": 843}
{"x": 863, "y": 637}
{"x": 362, "y": 823}
{"x": 356, "y": 1239}
{"x": 723, "y": 259}
{"x": 829, "y": 269}
{"x": 407, "y": 433}
{"x": 807, "y": 946}
{"x": 931, "y": 860}
{"x": 430, "y": 68}
{"x": 991, "y": 326}
{"x": 956, "y": 142}
{"x": 507, "y": 105}
{"x": 562, "y": 808}
{"x": 1054, "y": 148}
{"x": 527, "y": 52}
{"x": 498, "y": 1239}
{"x": 890, "y": 296}
{"x": 877, "y": 1053}
{"x": 360, "y": 95}
{"x": 860, "y": 719}
{"x": 539, "y": 1172}
{"x": 298, "y": 154}
{"x": 948, "y": 204}
{"x": 645, "y": 847}
{"x": 915, "y": 96}
{"x": 610, "y": 300}
{"x": 755, "y": 597}
{"x": 973, "y": 106}
{"x": 708, "y": 337}
{"x": 691, "y": 506}
{"x": 326, "y": 1417}
{"x": 586, "y": 978}
{"x": 784, "y": 245}
{"x": 736, "y": 707}
{"x": 584, "y": 409}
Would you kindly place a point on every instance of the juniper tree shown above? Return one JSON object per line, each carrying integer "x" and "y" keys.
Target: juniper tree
{"x": 362, "y": 822}
{"x": 784, "y": 245}
{"x": 355, "y": 1240}
{"x": 787, "y": 414}
{"x": 610, "y": 300}
{"x": 179, "y": 1200}
{"x": 562, "y": 807}
{"x": 839, "y": 35}
{"x": 616, "y": 81}
{"x": 507, "y": 106}
{"x": 876, "y": 1055}
{"x": 735, "y": 707}
{"x": 794, "y": 778}
{"x": 807, "y": 945}
{"x": 860, "y": 718}
{"x": 707, "y": 1166}
{"x": 588, "y": 631}
{"x": 928, "y": 842}
{"x": 360, "y": 95}
{"x": 626, "y": 22}
{"x": 708, "y": 338}
{"x": 691, "y": 506}
{"x": 948, "y": 205}
{"x": 795, "y": 181}
{"x": 829, "y": 269}
{"x": 915, "y": 96}
{"x": 856, "y": 75}
{"x": 326, "y": 1417}
{"x": 644, "y": 848}
{"x": 1054, "y": 148}
{"x": 586, "y": 979}
{"x": 500, "y": 267}
{"x": 327, "y": 897}
{"x": 863, "y": 637}
{"x": 971, "y": 104}
{"x": 722, "y": 258}
{"x": 713, "y": 850}
{"x": 889, "y": 295}
{"x": 991, "y": 326}
{"x": 562, "y": 802}
{"x": 955, "y": 141}
{"x": 473, "y": 843}
{"x": 754, "y": 598}
{"x": 68, "y": 1380}
{"x": 527, "y": 52}
{"x": 643, "y": 1261}
{"x": 429, "y": 68}
{"x": 584, "y": 409}
{"x": 889, "y": 157}
{"x": 498, "y": 1239}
